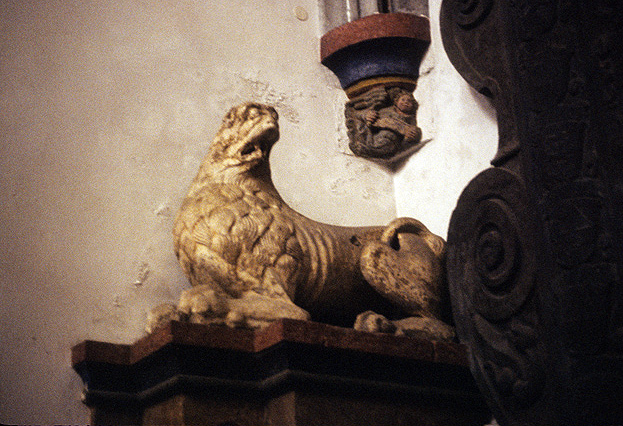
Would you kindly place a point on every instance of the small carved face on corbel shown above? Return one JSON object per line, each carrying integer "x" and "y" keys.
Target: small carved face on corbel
{"x": 406, "y": 103}
{"x": 382, "y": 125}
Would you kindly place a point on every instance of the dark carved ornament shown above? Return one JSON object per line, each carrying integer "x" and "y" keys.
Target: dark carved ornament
{"x": 382, "y": 124}
{"x": 535, "y": 245}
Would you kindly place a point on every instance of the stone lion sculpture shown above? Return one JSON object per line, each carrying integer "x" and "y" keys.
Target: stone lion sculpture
{"x": 251, "y": 259}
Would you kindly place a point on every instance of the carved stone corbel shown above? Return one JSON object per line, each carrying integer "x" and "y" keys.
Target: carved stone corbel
{"x": 377, "y": 60}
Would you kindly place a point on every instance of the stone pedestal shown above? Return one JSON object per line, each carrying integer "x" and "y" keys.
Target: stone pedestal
{"x": 290, "y": 373}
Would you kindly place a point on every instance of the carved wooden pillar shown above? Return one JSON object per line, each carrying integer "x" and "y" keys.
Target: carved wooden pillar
{"x": 536, "y": 242}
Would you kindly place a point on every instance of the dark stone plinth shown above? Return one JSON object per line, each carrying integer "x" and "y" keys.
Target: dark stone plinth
{"x": 290, "y": 373}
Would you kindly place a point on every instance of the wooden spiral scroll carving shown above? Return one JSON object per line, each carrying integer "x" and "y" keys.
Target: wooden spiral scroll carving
{"x": 535, "y": 245}
{"x": 491, "y": 267}
{"x": 470, "y": 13}
{"x": 491, "y": 240}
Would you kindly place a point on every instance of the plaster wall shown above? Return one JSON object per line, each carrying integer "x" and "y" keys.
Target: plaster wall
{"x": 106, "y": 110}
{"x": 461, "y": 126}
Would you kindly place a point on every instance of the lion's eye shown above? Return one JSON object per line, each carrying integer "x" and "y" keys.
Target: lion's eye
{"x": 252, "y": 113}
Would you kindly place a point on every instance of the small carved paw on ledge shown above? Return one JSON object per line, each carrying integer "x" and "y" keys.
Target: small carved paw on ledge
{"x": 418, "y": 327}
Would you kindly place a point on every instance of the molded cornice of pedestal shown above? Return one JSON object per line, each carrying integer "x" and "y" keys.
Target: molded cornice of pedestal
{"x": 182, "y": 358}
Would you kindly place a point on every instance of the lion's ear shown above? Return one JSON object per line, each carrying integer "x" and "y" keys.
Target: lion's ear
{"x": 230, "y": 118}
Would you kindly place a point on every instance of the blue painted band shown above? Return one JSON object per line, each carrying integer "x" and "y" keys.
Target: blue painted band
{"x": 377, "y": 57}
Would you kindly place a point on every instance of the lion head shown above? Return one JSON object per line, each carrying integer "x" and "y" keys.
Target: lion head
{"x": 246, "y": 136}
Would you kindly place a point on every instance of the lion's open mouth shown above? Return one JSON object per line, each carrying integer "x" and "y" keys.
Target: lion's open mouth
{"x": 260, "y": 141}
{"x": 248, "y": 149}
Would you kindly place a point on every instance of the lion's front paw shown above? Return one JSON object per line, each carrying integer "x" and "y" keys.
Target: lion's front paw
{"x": 254, "y": 310}
{"x": 202, "y": 305}
{"x": 160, "y": 315}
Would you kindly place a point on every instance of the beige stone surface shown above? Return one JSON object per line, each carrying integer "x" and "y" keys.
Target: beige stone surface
{"x": 252, "y": 259}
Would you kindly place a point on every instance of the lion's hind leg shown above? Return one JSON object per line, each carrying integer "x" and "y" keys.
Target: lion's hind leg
{"x": 405, "y": 265}
{"x": 419, "y": 327}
